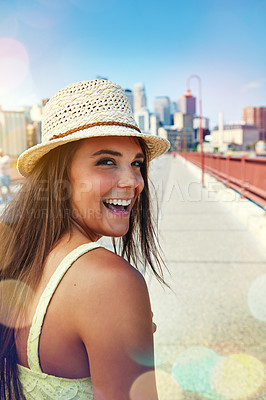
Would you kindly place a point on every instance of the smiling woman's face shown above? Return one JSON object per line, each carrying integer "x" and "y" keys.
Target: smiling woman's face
{"x": 105, "y": 181}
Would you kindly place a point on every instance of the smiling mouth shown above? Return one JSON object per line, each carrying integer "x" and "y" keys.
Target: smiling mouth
{"x": 118, "y": 208}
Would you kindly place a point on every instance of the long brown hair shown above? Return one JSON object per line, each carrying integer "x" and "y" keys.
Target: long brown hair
{"x": 31, "y": 225}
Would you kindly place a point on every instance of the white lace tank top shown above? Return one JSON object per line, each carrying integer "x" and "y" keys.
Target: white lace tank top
{"x": 36, "y": 384}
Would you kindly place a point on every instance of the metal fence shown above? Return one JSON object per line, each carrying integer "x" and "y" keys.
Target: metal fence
{"x": 243, "y": 174}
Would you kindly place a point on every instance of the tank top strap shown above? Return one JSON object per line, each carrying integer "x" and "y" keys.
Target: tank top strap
{"x": 36, "y": 327}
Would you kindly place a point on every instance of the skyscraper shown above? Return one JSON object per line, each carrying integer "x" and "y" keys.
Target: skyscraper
{"x": 173, "y": 107}
{"x": 140, "y": 100}
{"x": 142, "y": 118}
{"x": 130, "y": 97}
{"x": 187, "y": 103}
{"x": 154, "y": 124}
{"x": 256, "y": 116}
{"x": 184, "y": 125}
{"x": 162, "y": 109}
{"x": 13, "y": 138}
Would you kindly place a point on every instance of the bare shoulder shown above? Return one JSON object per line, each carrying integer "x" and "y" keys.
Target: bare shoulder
{"x": 107, "y": 286}
{"x": 105, "y": 269}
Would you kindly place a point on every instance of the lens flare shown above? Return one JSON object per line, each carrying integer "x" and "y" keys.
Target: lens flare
{"x": 257, "y": 298}
{"x": 14, "y": 63}
{"x": 193, "y": 367}
{"x": 144, "y": 387}
{"x": 238, "y": 376}
{"x": 167, "y": 387}
{"x": 13, "y": 295}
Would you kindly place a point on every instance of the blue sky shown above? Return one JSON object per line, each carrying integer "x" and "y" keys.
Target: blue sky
{"x": 47, "y": 44}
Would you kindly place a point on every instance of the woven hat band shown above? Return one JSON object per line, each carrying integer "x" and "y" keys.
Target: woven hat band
{"x": 91, "y": 125}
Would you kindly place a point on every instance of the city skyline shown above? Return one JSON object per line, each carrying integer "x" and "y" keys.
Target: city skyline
{"x": 45, "y": 45}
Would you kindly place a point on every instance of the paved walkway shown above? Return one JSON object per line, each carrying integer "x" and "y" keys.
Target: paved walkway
{"x": 211, "y": 335}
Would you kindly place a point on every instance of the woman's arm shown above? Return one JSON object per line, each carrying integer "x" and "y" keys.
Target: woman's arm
{"x": 115, "y": 323}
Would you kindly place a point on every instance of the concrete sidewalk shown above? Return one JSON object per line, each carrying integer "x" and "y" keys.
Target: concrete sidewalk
{"x": 211, "y": 336}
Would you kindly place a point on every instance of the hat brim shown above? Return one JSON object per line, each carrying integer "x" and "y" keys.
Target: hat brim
{"x": 28, "y": 159}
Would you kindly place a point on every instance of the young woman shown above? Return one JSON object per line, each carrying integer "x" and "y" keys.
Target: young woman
{"x": 76, "y": 321}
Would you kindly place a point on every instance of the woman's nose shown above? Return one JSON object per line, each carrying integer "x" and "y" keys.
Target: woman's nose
{"x": 128, "y": 178}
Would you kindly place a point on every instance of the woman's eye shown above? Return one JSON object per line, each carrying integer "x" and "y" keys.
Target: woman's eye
{"x": 105, "y": 161}
{"x": 138, "y": 164}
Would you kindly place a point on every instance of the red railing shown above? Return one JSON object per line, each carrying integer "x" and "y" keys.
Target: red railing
{"x": 245, "y": 175}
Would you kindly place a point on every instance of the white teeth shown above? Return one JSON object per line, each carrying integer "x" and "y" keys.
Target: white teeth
{"x": 119, "y": 202}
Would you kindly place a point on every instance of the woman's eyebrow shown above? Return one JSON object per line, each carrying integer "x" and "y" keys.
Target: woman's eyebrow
{"x": 140, "y": 155}
{"x": 114, "y": 153}
{"x": 105, "y": 151}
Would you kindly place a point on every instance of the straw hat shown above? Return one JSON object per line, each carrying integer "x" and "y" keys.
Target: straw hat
{"x": 83, "y": 110}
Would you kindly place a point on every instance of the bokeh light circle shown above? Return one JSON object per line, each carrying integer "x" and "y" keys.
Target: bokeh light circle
{"x": 143, "y": 387}
{"x": 257, "y": 298}
{"x": 167, "y": 386}
{"x": 14, "y": 63}
{"x": 238, "y": 376}
{"x": 193, "y": 367}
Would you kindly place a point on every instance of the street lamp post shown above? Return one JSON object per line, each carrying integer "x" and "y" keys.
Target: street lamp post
{"x": 200, "y": 124}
